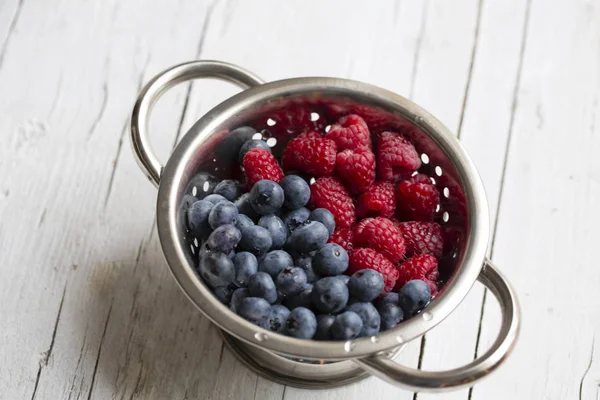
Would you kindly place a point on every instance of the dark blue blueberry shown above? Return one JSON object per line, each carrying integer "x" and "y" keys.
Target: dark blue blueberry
{"x": 291, "y": 280}
{"x": 414, "y": 296}
{"x": 229, "y": 146}
{"x": 215, "y": 198}
{"x": 223, "y": 293}
{"x": 390, "y": 311}
{"x": 296, "y": 190}
{"x": 255, "y": 310}
{"x": 237, "y": 297}
{"x": 391, "y": 297}
{"x": 369, "y": 316}
{"x": 266, "y": 197}
{"x": 243, "y": 221}
{"x": 251, "y": 144}
{"x": 308, "y": 237}
{"x": 305, "y": 262}
{"x": 277, "y": 318}
{"x": 223, "y": 213}
{"x": 275, "y": 262}
{"x": 343, "y": 278}
{"x": 229, "y": 188}
{"x": 300, "y": 299}
{"x": 347, "y": 325}
{"x": 325, "y": 217}
{"x": 245, "y": 265}
{"x": 224, "y": 238}
{"x": 244, "y": 207}
{"x": 294, "y": 219}
{"x": 276, "y": 228}
{"x": 216, "y": 269}
{"x": 197, "y": 218}
{"x": 201, "y": 185}
{"x": 365, "y": 285}
{"x": 256, "y": 240}
{"x": 261, "y": 285}
{"x": 329, "y": 295}
{"x": 324, "y": 322}
{"x": 301, "y": 324}
{"x": 330, "y": 260}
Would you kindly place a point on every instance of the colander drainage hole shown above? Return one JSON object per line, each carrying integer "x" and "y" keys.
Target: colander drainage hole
{"x": 271, "y": 122}
{"x": 445, "y": 216}
{"x": 425, "y": 158}
{"x": 271, "y": 142}
{"x": 327, "y": 128}
{"x": 446, "y": 192}
{"x": 314, "y": 116}
{"x": 256, "y": 136}
{"x": 438, "y": 170}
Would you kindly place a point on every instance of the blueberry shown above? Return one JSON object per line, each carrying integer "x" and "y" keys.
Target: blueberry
{"x": 330, "y": 260}
{"x": 305, "y": 262}
{"x": 275, "y": 262}
{"x": 295, "y": 218}
{"x": 308, "y": 237}
{"x": 329, "y": 295}
{"x": 296, "y": 190}
{"x": 237, "y": 297}
{"x": 414, "y": 296}
{"x": 291, "y": 280}
{"x": 224, "y": 212}
{"x": 343, "y": 278}
{"x": 301, "y": 323}
{"x": 223, "y": 294}
{"x": 243, "y": 221}
{"x": 229, "y": 188}
{"x": 325, "y": 217}
{"x": 276, "y": 228}
{"x": 266, "y": 197}
{"x": 256, "y": 240}
{"x": 216, "y": 269}
{"x": 245, "y": 265}
{"x": 300, "y": 299}
{"x": 229, "y": 146}
{"x": 365, "y": 285}
{"x": 201, "y": 185}
{"x": 324, "y": 322}
{"x": 224, "y": 238}
{"x": 391, "y": 297}
{"x": 215, "y": 198}
{"x": 244, "y": 207}
{"x": 347, "y": 325}
{"x": 390, "y": 312}
{"x": 277, "y": 318}
{"x": 261, "y": 285}
{"x": 251, "y": 144}
{"x": 255, "y": 310}
{"x": 197, "y": 218}
{"x": 369, "y": 316}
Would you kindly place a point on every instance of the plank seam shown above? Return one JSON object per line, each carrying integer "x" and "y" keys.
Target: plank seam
{"x": 417, "y": 54}
{"x": 100, "y": 350}
{"x": 588, "y": 369}
{"x": 11, "y": 30}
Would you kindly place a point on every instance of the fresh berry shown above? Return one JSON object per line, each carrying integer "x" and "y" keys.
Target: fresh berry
{"x": 276, "y": 228}
{"x": 223, "y": 213}
{"x": 229, "y": 146}
{"x": 260, "y": 164}
{"x": 414, "y": 296}
{"x": 197, "y": 218}
{"x": 369, "y": 316}
{"x": 255, "y": 310}
{"x": 356, "y": 168}
{"x": 422, "y": 238}
{"x": 344, "y": 278}
{"x": 256, "y": 240}
{"x": 328, "y": 192}
{"x": 329, "y": 295}
{"x": 396, "y": 157}
{"x": 296, "y": 190}
{"x": 224, "y": 238}
{"x": 325, "y": 217}
{"x": 229, "y": 188}
{"x": 223, "y": 294}
{"x": 383, "y": 236}
{"x": 391, "y": 297}
{"x": 365, "y": 285}
{"x": 277, "y": 318}
{"x": 378, "y": 201}
{"x": 275, "y": 262}
{"x": 201, "y": 185}
{"x": 331, "y": 260}
{"x": 350, "y": 132}
{"x": 245, "y": 265}
{"x": 343, "y": 237}
{"x": 244, "y": 207}
{"x": 311, "y": 155}
{"x": 293, "y": 120}
{"x": 347, "y": 325}
{"x": 243, "y": 221}
{"x": 416, "y": 201}
{"x": 324, "y": 322}
{"x": 299, "y": 299}
{"x": 252, "y": 144}
{"x": 216, "y": 269}
{"x": 215, "y": 198}
{"x": 301, "y": 323}
{"x": 423, "y": 267}
{"x": 291, "y": 280}
{"x": 370, "y": 259}
{"x": 266, "y": 197}
{"x": 308, "y": 237}
{"x": 237, "y": 297}
{"x": 294, "y": 219}
{"x": 306, "y": 263}
{"x": 261, "y": 285}
{"x": 390, "y": 311}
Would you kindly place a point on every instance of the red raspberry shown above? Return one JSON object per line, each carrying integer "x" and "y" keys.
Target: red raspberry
{"x": 370, "y": 259}
{"x": 328, "y": 192}
{"x": 422, "y": 238}
{"x": 310, "y": 154}
{"x": 356, "y": 168}
{"x": 311, "y": 135}
{"x": 260, "y": 164}
{"x": 421, "y": 178}
{"x": 350, "y": 132}
{"x": 378, "y": 201}
{"x": 396, "y": 157}
{"x": 344, "y": 237}
{"x": 294, "y": 119}
{"x": 383, "y": 236}
{"x": 360, "y": 226}
{"x": 416, "y": 201}
{"x": 423, "y": 267}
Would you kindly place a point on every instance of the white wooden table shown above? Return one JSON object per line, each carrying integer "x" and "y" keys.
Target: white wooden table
{"x": 88, "y": 309}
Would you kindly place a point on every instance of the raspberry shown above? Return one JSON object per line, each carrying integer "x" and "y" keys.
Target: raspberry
{"x": 378, "y": 201}
{"x": 311, "y": 135}
{"x": 421, "y": 178}
{"x": 370, "y": 259}
{"x": 344, "y": 237}
{"x": 328, "y": 192}
{"x": 422, "y": 238}
{"x": 383, "y": 236}
{"x": 416, "y": 201}
{"x": 310, "y": 154}
{"x": 350, "y": 132}
{"x": 356, "y": 168}
{"x": 294, "y": 119}
{"x": 260, "y": 164}
{"x": 396, "y": 157}
{"x": 423, "y": 267}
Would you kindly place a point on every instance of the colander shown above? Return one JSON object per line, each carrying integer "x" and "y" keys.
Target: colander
{"x": 463, "y": 215}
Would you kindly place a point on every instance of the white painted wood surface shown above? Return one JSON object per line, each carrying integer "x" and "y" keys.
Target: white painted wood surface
{"x": 88, "y": 307}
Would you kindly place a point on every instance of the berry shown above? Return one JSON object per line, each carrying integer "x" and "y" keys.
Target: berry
{"x": 310, "y": 154}
{"x": 216, "y": 269}
{"x": 261, "y": 285}
{"x": 369, "y": 316}
{"x": 324, "y": 322}
{"x": 275, "y": 262}
{"x": 356, "y": 168}
{"x": 343, "y": 278}
{"x": 293, "y": 119}
{"x": 365, "y": 285}
{"x": 301, "y": 324}
{"x": 423, "y": 267}
{"x": 223, "y": 294}
{"x": 201, "y": 185}
{"x": 256, "y": 240}
{"x": 308, "y": 237}
{"x": 381, "y": 235}
{"x": 249, "y": 145}
{"x": 215, "y": 198}
{"x": 244, "y": 207}
{"x": 370, "y": 259}
{"x": 266, "y": 197}
{"x": 378, "y": 201}
{"x": 390, "y": 312}
{"x": 329, "y": 295}
{"x": 295, "y": 218}
{"x": 343, "y": 237}
{"x": 243, "y": 221}
{"x": 259, "y": 164}
{"x": 224, "y": 238}
{"x": 229, "y": 146}
{"x": 422, "y": 238}
{"x": 350, "y": 132}
{"x": 291, "y": 280}
{"x": 245, "y": 265}
{"x": 414, "y": 296}
{"x": 223, "y": 213}
{"x": 276, "y": 228}
{"x": 396, "y": 157}
{"x": 237, "y": 297}
{"x": 296, "y": 190}
{"x": 391, "y": 297}
{"x": 277, "y": 318}
{"x": 255, "y": 310}
{"x": 330, "y": 260}
{"x": 325, "y": 217}
{"x": 416, "y": 201}
{"x": 347, "y": 325}
{"x": 299, "y": 299}
{"x": 229, "y": 188}
{"x": 328, "y": 192}
{"x": 197, "y": 218}
{"x": 306, "y": 263}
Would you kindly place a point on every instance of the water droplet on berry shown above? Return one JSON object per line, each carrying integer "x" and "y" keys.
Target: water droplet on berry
{"x": 349, "y": 346}
{"x": 261, "y": 336}
{"x": 427, "y": 316}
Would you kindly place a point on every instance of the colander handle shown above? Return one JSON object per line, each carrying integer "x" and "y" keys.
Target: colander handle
{"x": 145, "y": 156}
{"x": 465, "y": 376}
